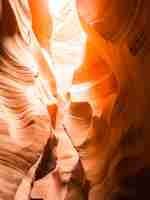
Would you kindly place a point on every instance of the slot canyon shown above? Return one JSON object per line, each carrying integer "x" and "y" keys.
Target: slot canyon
{"x": 74, "y": 99}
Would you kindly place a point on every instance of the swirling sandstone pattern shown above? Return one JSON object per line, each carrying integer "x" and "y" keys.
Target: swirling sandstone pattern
{"x": 24, "y": 121}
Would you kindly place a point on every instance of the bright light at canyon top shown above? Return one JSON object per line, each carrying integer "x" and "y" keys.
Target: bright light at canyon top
{"x": 67, "y": 42}
{"x": 55, "y": 5}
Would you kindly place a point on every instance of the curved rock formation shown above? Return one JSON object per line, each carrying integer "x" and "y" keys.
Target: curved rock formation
{"x": 103, "y": 131}
{"x": 113, "y": 142}
{"x": 24, "y": 121}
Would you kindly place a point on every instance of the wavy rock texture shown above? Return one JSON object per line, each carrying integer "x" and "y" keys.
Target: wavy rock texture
{"x": 117, "y": 142}
{"x": 24, "y": 120}
{"x": 104, "y": 122}
{"x": 103, "y": 148}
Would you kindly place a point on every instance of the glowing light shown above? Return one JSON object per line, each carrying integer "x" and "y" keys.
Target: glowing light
{"x": 68, "y": 41}
{"x": 56, "y": 5}
{"x": 80, "y": 92}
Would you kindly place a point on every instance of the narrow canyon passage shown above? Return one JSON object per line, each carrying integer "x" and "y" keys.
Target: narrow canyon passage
{"x": 74, "y": 99}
